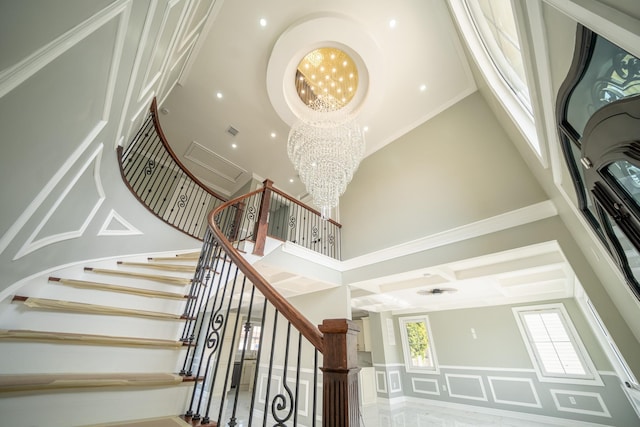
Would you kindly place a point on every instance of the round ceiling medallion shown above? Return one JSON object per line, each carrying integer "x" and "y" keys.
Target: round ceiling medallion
{"x": 325, "y": 33}
{"x": 326, "y": 79}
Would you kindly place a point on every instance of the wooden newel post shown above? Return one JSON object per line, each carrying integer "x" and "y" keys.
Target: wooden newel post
{"x": 341, "y": 401}
{"x": 262, "y": 225}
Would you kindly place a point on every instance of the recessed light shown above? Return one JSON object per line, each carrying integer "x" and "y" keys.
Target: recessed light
{"x": 423, "y": 87}
{"x": 273, "y": 134}
{"x": 263, "y": 22}
{"x": 393, "y": 23}
{"x": 290, "y": 179}
{"x": 219, "y": 95}
{"x": 365, "y": 129}
{"x": 234, "y": 145}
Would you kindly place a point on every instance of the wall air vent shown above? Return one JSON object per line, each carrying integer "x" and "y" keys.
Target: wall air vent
{"x": 437, "y": 291}
{"x": 232, "y": 131}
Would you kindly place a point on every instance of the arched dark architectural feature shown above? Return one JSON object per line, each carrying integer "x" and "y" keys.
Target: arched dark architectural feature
{"x": 598, "y": 115}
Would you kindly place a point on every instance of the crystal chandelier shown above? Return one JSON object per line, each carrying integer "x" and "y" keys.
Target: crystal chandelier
{"x": 326, "y": 145}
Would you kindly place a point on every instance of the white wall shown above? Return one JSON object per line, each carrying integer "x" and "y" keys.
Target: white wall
{"x": 455, "y": 169}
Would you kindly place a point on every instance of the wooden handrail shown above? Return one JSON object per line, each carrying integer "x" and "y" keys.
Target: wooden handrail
{"x": 300, "y": 322}
{"x": 163, "y": 138}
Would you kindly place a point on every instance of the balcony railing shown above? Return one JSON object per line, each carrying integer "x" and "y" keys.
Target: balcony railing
{"x": 160, "y": 181}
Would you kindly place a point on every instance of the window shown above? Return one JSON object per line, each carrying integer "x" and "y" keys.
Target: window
{"x": 418, "y": 349}
{"x": 253, "y": 343}
{"x": 497, "y": 30}
{"x": 491, "y": 33}
{"x": 598, "y": 109}
{"x": 553, "y": 344}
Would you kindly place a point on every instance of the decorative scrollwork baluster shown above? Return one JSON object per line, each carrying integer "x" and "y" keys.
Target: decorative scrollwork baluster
{"x": 151, "y": 165}
{"x": 279, "y": 404}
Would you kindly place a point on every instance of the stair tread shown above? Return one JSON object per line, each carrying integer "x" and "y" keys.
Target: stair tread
{"x": 188, "y": 254}
{"x": 52, "y": 304}
{"x": 22, "y": 382}
{"x": 90, "y": 339}
{"x": 173, "y": 280}
{"x": 86, "y": 284}
{"x": 159, "y": 266}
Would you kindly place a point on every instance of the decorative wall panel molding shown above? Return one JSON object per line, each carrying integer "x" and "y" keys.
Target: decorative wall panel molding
{"x": 381, "y": 382}
{"x": 116, "y": 225}
{"x": 199, "y": 12}
{"x": 164, "y": 42}
{"x": 395, "y": 385}
{"x": 580, "y": 402}
{"x": 13, "y": 77}
{"x": 507, "y": 389}
{"x": 134, "y": 78}
{"x": 63, "y": 208}
{"x": 425, "y": 386}
{"x": 466, "y": 387}
{"x": 172, "y": 75}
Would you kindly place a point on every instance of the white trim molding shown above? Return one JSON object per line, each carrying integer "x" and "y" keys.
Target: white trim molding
{"x": 12, "y": 77}
{"x": 464, "y": 396}
{"x": 604, "y": 412}
{"x": 416, "y": 389}
{"x": 112, "y": 217}
{"x": 381, "y": 382}
{"x": 31, "y": 244}
{"x": 528, "y": 381}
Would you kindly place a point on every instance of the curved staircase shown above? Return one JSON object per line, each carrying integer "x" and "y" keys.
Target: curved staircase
{"x": 108, "y": 333}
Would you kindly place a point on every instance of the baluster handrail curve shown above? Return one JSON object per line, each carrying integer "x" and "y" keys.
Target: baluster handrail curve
{"x": 297, "y": 319}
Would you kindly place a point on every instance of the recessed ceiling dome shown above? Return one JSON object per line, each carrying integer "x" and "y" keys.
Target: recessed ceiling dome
{"x": 303, "y": 43}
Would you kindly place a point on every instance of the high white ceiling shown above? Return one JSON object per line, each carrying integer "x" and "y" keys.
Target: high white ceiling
{"x": 251, "y": 66}
{"x": 414, "y": 69}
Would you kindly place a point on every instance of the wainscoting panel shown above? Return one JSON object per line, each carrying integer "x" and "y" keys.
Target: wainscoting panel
{"x": 381, "y": 382}
{"x": 425, "y": 386}
{"x": 466, "y": 386}
{"x": 395, "y": 384}
{"x": 514, "y": 391}
{"x": 580, "y": 402}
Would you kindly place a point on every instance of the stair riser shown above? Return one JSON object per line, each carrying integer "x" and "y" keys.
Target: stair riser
{"x": 17, "y": 316}
{"x": 92, "y": 406}
{"x": 35, "y": 357}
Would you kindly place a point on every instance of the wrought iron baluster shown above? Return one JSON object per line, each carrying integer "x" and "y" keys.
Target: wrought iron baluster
{"x": 258, "y": 359}
{"x": 279, "y": 402}
{"x": 270, "y": 368}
